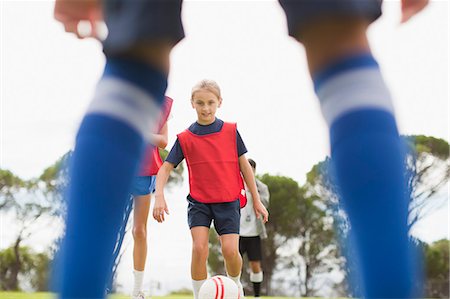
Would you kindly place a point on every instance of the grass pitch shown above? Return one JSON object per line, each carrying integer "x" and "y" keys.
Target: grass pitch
{"x": 21, "y": 295}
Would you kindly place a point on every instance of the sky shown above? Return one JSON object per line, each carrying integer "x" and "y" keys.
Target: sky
{"x": 48, "y": 77}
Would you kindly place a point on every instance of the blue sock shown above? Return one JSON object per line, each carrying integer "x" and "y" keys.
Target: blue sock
{"x": 368, "y": 160}
{"x": 108, "y": 148}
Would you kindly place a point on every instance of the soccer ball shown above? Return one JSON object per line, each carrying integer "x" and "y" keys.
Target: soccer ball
{"x": 219, "y": 287}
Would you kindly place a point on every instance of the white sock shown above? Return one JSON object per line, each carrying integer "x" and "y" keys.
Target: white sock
{"x": 197, "y": 284}
{"x": 138, "y": 279}
{"x": 237, "y": 280}
{"x": 256, "y": 277}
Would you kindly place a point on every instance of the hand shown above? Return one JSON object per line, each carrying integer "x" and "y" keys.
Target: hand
{"x": 71, "y": 12}
{"x": 160, "y": 208}
{"x": 412, "y": 7}
{"x": 261, "y": 211}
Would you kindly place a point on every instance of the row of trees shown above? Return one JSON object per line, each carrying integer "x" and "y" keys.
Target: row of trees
{"x": 301, "y": 255}
{"x": 33, "y": 204}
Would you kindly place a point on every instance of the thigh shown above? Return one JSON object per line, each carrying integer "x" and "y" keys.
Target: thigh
{"x": 141, "y": 209}
{"x": 200, "y": 235}
{"x": 133, "y": 22}
{"x": 227, "y": 217}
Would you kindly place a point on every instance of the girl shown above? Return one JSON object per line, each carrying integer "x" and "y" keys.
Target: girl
{"x": 215, "y": 156}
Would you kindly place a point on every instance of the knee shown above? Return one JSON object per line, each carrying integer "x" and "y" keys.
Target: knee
{"x": 200, "y": 250}
{"x": 230, "y": 252}
{"x": 139, "y": 233}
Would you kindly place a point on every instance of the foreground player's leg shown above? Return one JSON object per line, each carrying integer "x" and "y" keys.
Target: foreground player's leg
{"x": 366, "y": 149}
{"x": 108, "y": 148}
{"x": 112, "y": 137}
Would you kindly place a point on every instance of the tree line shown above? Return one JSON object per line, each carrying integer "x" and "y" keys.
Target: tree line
{"x": 303, "y": 254}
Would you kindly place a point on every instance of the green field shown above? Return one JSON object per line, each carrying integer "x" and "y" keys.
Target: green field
{"x": 21, "y": 295}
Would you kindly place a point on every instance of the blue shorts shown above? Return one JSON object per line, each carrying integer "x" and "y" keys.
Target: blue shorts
{"x": 226, "y": 216}
{"x": 143, "y": 185}
{"x": 140, "y": 21}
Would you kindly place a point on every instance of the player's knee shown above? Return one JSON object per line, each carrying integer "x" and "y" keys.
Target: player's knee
{"x": 200, "y": 250}
{"x": 230, "y": 252}
{"x": 139, "y": 233}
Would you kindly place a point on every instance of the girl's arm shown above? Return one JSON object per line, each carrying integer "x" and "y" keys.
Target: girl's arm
{"x": 160, "y": 140}
{"x": 249, "y": 179}
{"x": 160, "y": 206}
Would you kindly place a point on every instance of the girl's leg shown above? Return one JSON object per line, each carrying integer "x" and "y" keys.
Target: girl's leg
{"x": 232, "y": 257}
{"x": 141, "y": 209}
{"x": 200, "y": 250}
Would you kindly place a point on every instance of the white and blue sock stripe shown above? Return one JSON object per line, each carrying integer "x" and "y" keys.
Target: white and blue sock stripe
{"x": 352, "y": 84}
{"x": 126, "y": 102}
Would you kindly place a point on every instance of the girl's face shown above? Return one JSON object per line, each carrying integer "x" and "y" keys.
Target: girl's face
{"x": 205, "y": 104}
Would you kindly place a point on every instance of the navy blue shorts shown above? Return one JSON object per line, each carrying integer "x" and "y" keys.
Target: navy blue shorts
{"x": 143, "y": 185}
{"x": 140, "y": 21}
{"x": 226, "y": 216}
{"x": 300, "y": 13}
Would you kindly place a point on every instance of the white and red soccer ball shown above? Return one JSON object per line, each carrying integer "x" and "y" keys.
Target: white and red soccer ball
{"x": 219, "y": 287}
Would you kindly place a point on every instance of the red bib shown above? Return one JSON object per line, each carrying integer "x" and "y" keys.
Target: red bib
{"x": 212, "y": 160}
{"x": 151, "y": 162}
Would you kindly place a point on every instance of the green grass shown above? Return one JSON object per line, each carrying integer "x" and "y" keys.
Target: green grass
{"x": 21, "y": 295}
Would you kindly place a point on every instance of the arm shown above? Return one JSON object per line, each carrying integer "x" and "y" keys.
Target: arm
{"x": 160, "y": 206}
{"x": 249, "y": 179}
{"x": 70, "y": 13}
{"x": 160, "y": 140}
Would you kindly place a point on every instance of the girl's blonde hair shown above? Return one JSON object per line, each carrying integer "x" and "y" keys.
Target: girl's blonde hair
{"x": 209, "y": 85}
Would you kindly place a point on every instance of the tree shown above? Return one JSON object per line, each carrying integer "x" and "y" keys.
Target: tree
{"x": 428, "y": 170}
{"x": 34, "y": 266}
{"x": 10, "y": 185}
{"x": 34, "y": 203}
{"x": 283, "y": 224}
{"x": 437, "y": 269}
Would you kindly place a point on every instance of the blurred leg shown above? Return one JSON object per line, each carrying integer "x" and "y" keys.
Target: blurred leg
{"x": 366, "y": 150}
{"x": 111, "y": 140}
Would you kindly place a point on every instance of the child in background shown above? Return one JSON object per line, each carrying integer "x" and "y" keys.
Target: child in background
{"x": 215, "y": 156}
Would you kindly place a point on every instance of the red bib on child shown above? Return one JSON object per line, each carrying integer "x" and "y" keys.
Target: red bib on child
{"x": 212, "y": 160}
{"x": 151, "y": 162}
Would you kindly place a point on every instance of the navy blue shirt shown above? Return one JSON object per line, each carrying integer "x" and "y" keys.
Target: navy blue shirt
{"x": 176, "y": 154}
